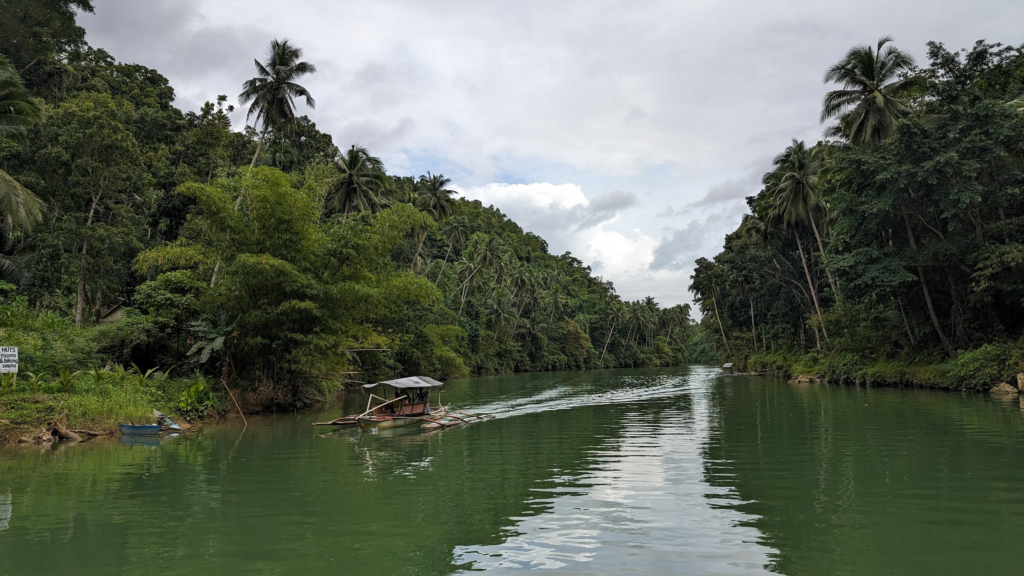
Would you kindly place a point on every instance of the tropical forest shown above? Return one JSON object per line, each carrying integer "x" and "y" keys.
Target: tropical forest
{"x": 155, "y": 257}
{"x": 890, "y": 252}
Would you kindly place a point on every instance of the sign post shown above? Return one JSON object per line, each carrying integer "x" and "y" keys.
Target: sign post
{"x": 8, "y": 359}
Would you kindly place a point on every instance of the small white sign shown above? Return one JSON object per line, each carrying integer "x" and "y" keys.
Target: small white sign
{"x": 8, "y": 359}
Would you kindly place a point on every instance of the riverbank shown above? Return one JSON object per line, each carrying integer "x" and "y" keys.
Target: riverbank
{"x": 99, "y": 400}
{"x": 978, "y": 370}
{"x": 29, "y": 415}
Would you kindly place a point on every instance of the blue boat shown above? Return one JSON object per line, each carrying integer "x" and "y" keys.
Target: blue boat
{"x": 147, "y": 430}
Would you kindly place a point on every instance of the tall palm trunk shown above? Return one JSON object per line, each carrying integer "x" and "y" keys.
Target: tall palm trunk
{"x": 810, "y": 283}
{"x": 259, "y": 146}
{"x": 465, "y": 289}
{"x": 606, "y": 341}
{"x": 924, "y": 286}
{"x": 714, "y": 301}
{"x": 753, "y": 327}
{"x": 449, "y": 251}
{"x": 821, "y": 250}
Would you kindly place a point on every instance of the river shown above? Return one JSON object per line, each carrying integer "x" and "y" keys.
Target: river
{"x": 677, "y": 471}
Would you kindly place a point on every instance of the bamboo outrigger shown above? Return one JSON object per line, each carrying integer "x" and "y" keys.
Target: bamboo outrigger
{"x": 410, "y": 404}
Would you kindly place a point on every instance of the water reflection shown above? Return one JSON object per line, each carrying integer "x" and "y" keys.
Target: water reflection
{"x": 642, "y": 505}
{"x": 873, "y": 481}
{"x": 6, "y": 509}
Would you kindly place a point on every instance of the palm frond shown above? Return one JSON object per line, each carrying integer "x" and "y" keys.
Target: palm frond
{"x": 18, "y": 204}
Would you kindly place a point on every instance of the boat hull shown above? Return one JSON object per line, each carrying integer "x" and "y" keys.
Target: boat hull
{"x": 386, "y": 422}
{"x": 381, "y": 421}
{"x": 399, "y": 421}
{"x": 131, "y": 430}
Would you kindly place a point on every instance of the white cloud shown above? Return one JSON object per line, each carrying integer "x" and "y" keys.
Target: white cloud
{"x": 564, "y": 216}
{"x": 681, "y": 246}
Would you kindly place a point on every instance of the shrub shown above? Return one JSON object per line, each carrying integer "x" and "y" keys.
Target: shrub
{"x": 196, "y": 401}
{"x": 982, "y": 368}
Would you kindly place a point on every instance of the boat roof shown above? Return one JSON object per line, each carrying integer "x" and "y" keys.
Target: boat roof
{"x": 408, "y": 382}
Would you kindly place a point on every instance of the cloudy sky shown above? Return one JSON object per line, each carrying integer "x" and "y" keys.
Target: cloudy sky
{"x": 625, "y": 132}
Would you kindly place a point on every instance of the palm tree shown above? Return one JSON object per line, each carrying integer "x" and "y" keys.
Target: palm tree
{"x": 783, "y": 219}
{"x": 434, "y": 198}
{"x": 468, "y": 266}
{"x": 617, "y": 316}
{"x": 703, "y": 284}
{"x": 360, "y": 184}
{"x": 273, "y": 91}
{"x": 793, "y": 188}
{"x": 868, "y": 105}
{"x": 282, "y": 156}
{"x": 404, "y": 190}
{"x": 500, "y": 309}
{"x": 675, "y": 317}
{"x": 651, "y": 315}
{"x": 18, "y": 110}
{"x": 455, "y": 234}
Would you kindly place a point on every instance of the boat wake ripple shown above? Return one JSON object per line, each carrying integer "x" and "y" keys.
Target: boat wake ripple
{"x": 626, "y": 390}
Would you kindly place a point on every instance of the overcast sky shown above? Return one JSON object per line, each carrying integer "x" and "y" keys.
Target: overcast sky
{"x": 625, "y": 132}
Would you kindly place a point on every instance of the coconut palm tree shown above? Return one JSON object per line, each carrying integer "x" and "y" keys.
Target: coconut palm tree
{"x": 783, "y": 219}
{"x": 360, "y": 183}
{"x": 868, "y": 105}
{"x": 617, "y": 315}
{"x": 454, "y": 235}
{"x": 793, "y": 188}
{"x": 18, "y": 110}
{"x": 282, "y": 156}
{"x": 705, "y": 285}
{"x": 500, "y": 309}
{"x": 434, "y": 198}
{"x": 272, "y": 92}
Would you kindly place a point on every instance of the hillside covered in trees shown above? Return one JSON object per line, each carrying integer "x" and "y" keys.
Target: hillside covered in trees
{"x": 272, "y": 259}
{"x": 890, "y": 252}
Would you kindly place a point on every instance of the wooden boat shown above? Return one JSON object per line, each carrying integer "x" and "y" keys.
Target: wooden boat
{"x": 145, "y": 430}
{"x": 409, "y": 404}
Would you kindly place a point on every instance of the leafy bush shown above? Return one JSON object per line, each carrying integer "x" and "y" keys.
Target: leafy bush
{"x": 46, "y": 341}
{"x": 981, "y": 369}
{"x": 841, "y": 368}
{"x": 196, "y": 401}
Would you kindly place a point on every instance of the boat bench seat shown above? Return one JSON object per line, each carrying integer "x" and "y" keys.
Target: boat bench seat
{"x": 411, "y": 409}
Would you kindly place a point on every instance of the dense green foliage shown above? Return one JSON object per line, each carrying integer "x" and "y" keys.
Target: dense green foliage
{"x": 897, "y": 243}
{"x": 268, "y": 259}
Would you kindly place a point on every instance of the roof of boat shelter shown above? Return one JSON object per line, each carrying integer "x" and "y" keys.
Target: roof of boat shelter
{"x": 408, "y": 382}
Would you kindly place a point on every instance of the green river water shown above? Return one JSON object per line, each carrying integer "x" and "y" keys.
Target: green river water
{"x": 680, "y": 471}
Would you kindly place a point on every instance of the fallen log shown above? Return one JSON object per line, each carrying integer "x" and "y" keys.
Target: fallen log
{"x": 91, "y": 433}
{"x": 65, "y": 434}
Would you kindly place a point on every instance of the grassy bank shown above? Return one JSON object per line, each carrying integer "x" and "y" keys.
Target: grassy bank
{"x": 68, "y": 379}
{"x": 98, "y": 400}
{"x": 972, "y": 371}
